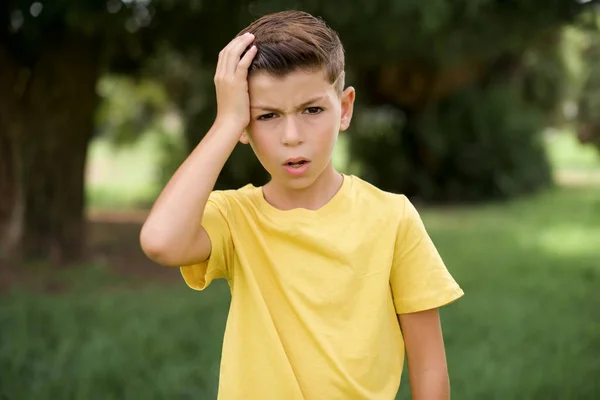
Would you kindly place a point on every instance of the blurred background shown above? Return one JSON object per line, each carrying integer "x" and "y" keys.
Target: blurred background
{"x": 486, "y": 113}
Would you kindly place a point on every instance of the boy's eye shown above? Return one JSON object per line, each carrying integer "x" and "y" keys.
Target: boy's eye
{"x": 314, "y": 110}
{"x": 266, "y": 116}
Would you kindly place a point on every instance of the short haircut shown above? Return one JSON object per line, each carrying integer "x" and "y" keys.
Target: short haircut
{"x": 288, "y": 41}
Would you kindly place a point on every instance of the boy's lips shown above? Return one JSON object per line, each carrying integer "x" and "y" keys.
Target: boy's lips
{"x": 296, "y": 166}
{"x": 295, "y": 160}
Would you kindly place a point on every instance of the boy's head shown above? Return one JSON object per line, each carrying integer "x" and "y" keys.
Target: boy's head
{"x": 298, "y": 103}
{"x": 291, "y": 41}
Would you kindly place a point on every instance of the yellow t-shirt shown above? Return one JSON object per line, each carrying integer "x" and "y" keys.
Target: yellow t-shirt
{"x": 315, "y": 293}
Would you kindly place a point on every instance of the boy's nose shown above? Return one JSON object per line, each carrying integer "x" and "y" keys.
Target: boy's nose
{"x": 291, "y": 135}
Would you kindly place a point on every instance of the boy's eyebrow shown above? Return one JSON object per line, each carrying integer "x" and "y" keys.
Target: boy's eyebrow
{"x": 306, "y": 103}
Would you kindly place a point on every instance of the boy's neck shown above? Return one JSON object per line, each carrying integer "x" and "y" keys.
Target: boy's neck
{"x": 311, "y": 198}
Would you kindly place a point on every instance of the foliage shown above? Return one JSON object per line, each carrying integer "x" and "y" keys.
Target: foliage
{"x": 158, "y": 36}
{"x": 418, "y": 42}
{"x": 525, "y": 263}
{"x": 546, "y": 80}
{"x": 129, "y": 108}
{"x": 412, "y": 55}
{"x": 589, "y": 97}
{"x": 35, "y": 26}
{"x": 481, "y": 142}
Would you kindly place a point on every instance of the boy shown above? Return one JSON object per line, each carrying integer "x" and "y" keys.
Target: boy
{"x": 331, "y": 278}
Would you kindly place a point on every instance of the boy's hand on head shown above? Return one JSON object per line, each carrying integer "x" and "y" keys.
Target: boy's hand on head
{"x": 231, "y": 82}
{"x": 171, "y": 234}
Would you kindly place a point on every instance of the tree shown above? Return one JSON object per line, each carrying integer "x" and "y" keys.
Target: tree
{"x": 588, "y": 99}
{"x": 51, "y": 57}
{"x": 415, "y": 56}
{"x": 456, "y": 134}
{"x": 48, "y": 102}
{"x": 430, "y": 61}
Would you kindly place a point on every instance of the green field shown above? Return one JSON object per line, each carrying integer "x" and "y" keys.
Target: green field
{"x": 527, "y": 328}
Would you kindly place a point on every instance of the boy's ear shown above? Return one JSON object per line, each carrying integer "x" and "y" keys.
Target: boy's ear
{"x": 348, "y": 97}
{"x": 244, "y": 139}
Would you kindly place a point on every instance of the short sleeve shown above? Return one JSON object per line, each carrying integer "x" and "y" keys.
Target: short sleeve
{"x": 214, "y": 221}
{"x": 419, "y": 278}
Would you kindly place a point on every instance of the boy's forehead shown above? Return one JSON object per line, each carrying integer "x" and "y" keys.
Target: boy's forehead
{"x": 294, "y": 86}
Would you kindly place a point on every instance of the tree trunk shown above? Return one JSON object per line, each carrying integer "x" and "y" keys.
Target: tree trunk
{"x": 11, "y": 199}
{"x": 56, "y": 111}
{"x": 11, "y": 194}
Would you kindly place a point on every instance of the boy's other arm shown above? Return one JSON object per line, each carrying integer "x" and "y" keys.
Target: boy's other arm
{"x": 172, "y": 234}
{"x": 426, "y": 356}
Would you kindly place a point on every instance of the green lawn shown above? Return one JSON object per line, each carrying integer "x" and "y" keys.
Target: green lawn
{"x": 528, "y": 327}
{"x": 123, "y": 177}
{"x": 566, "y": 152}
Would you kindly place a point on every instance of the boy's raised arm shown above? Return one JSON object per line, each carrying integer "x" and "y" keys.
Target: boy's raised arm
{"x": 172, "y": 234}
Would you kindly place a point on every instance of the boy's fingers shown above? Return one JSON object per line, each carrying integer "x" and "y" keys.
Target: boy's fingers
{"x": 219, "y": 69}
{"x": 236, "y": 50}
{"x": 246, "y": 60}
{"x": 222, "y": 59}
{"x": 229, "y": 57}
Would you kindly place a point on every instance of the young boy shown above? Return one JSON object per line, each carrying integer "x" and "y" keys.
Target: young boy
{"x": 331, "y": 278}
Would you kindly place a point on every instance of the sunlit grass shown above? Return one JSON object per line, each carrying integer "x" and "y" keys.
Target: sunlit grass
{"x": 123, "y": 176}
{"x": 527, "y": 327}
{"x": 566, "y": 152}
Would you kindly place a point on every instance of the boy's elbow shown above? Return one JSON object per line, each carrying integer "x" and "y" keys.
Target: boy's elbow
{"x": 174, "y": 249}
{"x": 155, "y": 247}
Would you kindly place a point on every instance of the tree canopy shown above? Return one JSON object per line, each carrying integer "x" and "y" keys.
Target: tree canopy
{"x": 467, "y": 85}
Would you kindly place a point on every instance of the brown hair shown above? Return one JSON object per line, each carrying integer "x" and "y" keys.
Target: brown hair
{"x": 288, "y": 41}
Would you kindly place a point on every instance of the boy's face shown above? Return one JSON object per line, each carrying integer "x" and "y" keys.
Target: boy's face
{"x": 296, "y": 119}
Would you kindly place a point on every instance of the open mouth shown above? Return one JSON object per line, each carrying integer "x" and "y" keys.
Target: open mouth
{"x": 296, "y": 163}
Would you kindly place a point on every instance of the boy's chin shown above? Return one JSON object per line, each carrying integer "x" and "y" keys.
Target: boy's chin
{"x": 282, "y": 180}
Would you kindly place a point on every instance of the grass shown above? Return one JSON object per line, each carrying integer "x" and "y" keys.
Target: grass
{"x": 123, "y": 177}
{"x": 154, "y": 343}
{"x": 527, "y": 328}
{"x": 565, "y": 151}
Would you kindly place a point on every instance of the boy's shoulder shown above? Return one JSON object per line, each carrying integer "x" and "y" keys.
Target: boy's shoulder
{"x": 366, "y": 187}
{"x": 366, "y": 191}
